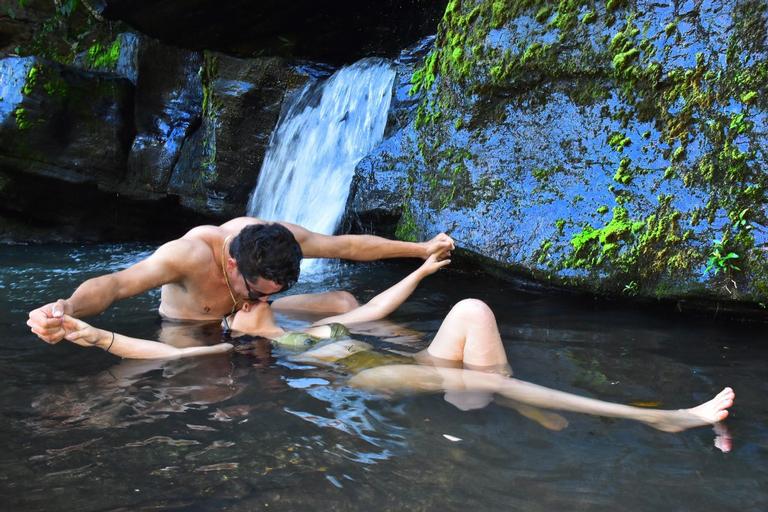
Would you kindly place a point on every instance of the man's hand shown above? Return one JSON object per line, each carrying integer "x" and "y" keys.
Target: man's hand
{"x": 46, "y": 321}
{"x": 433, "y": 264}
{"x": 441, "y": 245}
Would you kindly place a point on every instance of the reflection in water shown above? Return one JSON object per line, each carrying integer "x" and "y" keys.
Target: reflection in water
{"x": 242, "y": 431}
{"x": 129, "y": 393}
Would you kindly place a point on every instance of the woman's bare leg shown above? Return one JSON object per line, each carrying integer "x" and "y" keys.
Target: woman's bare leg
{"x": 469, "y": 333}
{"x": 435, "y": 379}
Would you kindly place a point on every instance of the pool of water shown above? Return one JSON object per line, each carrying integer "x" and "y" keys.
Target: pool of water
{"x": 83, "y": 430}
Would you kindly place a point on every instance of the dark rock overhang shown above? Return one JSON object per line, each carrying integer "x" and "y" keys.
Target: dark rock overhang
{"x": 333, "y": 31}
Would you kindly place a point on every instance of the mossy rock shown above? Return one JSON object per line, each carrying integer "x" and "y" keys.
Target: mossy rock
{"x": 62, "y": 122}
{"x": 534, "y": 126}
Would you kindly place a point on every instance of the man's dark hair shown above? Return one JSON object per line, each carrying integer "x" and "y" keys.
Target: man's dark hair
{"x": 269, "y": 251}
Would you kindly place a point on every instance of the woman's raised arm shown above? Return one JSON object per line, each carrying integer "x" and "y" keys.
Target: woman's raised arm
{"x": 390, "y": 299}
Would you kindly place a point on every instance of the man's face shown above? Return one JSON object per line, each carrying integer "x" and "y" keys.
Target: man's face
{"x": 258, "y": 290}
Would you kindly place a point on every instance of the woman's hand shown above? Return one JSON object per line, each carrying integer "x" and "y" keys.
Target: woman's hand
{"x": 432, "y": 265}
{"x": 84, "y": 334}
{"x": 441, "y": 245}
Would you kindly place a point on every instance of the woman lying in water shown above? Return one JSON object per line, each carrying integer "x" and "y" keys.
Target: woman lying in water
{"x": 466, "y": 359}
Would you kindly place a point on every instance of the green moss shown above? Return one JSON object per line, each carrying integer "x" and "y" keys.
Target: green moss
{"x": 55, "y": 86}
{"x": 423, "y": 78}
{"x": 103, "y": 56}
{"x": 592, "y": 246}
{"x": 623, "y": 174}
{"x": 645, "y": 249}
{"x": 589, "y": 17}
{"x": 31, "y": 80}
{"x": 618, "y": 141}
{"x": 740, "y": 124}
{"x": 541, "y": 255}
{"x": 670, "y": 27}
{"x": 612, "y": 5}
{"x": 621, "y": 61}
{"x": 602, "y": 210}
{"x": 543, "y": 174}
{"x": 210, "y": 111}
{"x": 210, "y": 70}
{"x": 22, "y": 122}
{"x": 748, "y": 97}
{"x": 543, "y": 14}
{"x": 406, "y": 227}
{"x": 450, "y": 184}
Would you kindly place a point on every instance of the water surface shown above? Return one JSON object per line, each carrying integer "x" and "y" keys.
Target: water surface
{"x": 82, "y": 430}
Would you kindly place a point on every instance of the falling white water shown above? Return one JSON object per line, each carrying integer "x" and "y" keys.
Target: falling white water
{"x": 321, "y": 137}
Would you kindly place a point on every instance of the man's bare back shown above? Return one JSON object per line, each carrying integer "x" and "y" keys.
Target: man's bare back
{"x": 200, "y": 280}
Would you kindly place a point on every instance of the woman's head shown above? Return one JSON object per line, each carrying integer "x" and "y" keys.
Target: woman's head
{"x": 253, "y": 317}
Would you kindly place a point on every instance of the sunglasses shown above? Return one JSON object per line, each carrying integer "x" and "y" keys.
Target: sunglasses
{"x": 253, "y": 295}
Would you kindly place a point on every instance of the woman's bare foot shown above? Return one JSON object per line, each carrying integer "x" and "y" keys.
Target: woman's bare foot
{"x": 707, "y": 413}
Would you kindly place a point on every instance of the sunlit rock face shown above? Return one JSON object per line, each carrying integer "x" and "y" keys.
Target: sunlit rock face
{"x": 341, "y": 31}
{"x": 616, "y": 147}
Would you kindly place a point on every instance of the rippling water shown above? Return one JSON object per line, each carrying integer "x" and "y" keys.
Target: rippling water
{"x": 82, "y": 430}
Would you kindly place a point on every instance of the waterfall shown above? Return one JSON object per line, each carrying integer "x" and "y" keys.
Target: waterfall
{"x": 319, "y": 139}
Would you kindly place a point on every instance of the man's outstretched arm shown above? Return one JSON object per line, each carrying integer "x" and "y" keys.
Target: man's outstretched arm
{"x": 367, "y": 247}
{"x": 95, "y": 295}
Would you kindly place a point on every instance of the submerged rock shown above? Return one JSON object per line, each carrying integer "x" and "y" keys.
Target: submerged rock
{"x": 614, "y": 148}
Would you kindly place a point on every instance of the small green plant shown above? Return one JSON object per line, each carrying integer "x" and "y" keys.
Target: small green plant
{"x": 748, "y": 97}
{"x": 631, "y": 288}
{"x": 740, "y": 124}
{"x": 720, "y": 259}
{"x": 741, "y": 222}
{"x": 104, "y": 56}
{"x": 22, "y": 121}
{"x": 29, "y": 83}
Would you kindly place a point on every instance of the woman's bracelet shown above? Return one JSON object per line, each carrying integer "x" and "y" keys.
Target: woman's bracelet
{"x": 111, "y": 342}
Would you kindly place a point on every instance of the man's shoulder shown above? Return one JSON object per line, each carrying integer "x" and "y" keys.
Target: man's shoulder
{"x": 231, "y": 227}
{"x": 187, "y": 251}
{"x": 238, "y": 223}
{"x": 202, "y": 233}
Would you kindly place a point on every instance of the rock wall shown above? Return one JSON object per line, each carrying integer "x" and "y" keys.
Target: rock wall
{"x": 163, "y": 127}
{"x": 615, "y": 147}
{"x": 139, "y": 127}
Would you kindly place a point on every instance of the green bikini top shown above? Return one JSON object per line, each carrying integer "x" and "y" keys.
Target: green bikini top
{"x": 303, "y": 339}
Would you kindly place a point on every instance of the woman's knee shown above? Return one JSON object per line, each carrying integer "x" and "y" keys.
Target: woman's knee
{"x": 343, "y": 301}
{"x": 474, "y": 309}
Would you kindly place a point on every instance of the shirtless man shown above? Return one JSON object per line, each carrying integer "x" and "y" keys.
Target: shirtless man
{"x": 201, "y": 280}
